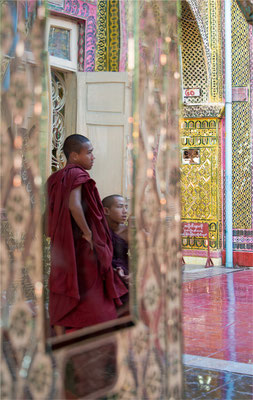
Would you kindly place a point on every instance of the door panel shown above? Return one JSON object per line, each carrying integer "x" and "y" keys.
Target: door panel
{"x": 103, "y": 108}
{"x": 108, "y": 169}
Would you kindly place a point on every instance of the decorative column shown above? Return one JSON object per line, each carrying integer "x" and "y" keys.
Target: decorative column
{"x": 241, "y": 139}
{"x": 201, "y": 127}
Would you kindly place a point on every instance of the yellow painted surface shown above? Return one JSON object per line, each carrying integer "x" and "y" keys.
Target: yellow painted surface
{"x": 202, "y": 261}
{"x": 200, "y": 182}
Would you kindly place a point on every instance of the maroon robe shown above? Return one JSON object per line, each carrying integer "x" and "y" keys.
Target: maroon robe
{"x": 82, "y": 289}
{"x": 120, "y": 260}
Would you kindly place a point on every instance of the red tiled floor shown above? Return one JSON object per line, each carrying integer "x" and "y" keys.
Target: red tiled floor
{"x": 218, "y": 317}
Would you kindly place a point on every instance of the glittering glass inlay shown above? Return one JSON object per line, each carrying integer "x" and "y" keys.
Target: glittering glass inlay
{"x": 59, "y": 42}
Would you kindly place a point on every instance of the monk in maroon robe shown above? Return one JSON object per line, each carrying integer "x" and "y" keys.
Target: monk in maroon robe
{"x": 115, "y": 209}
{"x": 83, "y": 289}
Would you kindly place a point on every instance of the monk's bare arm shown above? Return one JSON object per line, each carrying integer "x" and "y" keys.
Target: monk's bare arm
{"x": 76, "y": 209}
{"x": 59, "y": 330}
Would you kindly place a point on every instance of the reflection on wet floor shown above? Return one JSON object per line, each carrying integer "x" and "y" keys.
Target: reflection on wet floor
{"x": 209, "y": 384}
{"x": 217, "y": 325}
{"x": 216, "y": 317}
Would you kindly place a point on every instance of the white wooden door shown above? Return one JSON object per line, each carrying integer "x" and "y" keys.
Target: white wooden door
{"x": 103, "y": 108}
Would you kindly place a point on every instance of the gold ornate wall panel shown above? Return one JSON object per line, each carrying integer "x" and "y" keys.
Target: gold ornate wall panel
{"x": 202, "y": 6}
{"x": 108, "y": 34}
{"x": 101, "y": 54}
{"x": 208, "y": 18}
{"x": 241, "y": 167}
{"x": 200, "y": 11}
{"x": 194, "y": 62}
{"x": 215, "y": 45}
{"x": 113, "y": 39}
{"x": 200, "y": 183}
{"x": 200, "y": 128}
{"x": 251, "y": 116}
{"x": 240, "y": 47}
{"x": 242, "y": 157}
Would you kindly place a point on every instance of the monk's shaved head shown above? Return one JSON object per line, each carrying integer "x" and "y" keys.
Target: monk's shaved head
{"x": 73, "y": 143}
{"x": 109, "y": 200}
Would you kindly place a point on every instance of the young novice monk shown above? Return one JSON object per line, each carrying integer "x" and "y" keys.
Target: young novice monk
{"x": 115, "y": 209}
{"x": 82, "y": 289}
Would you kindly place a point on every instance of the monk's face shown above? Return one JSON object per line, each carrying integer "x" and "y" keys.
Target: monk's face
{"x": 118, "y": 210}
{"x": 85, "y": 157}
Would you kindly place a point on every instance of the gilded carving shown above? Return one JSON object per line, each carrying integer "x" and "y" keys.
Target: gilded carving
{"x": 101, "y": 58}
{"x": 200, "y": 182}
{"x": 113, "y": 40}
{"x": 200, "y": 11}
{"x": 242, "y": 196}
{"x": 242, "y": 157}
{"x": 215, "y": 45}
{"x": 194, "y": 61}
{"x": 108, "y": 33}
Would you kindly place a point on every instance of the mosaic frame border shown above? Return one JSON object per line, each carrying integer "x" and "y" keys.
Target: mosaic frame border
{"x": 87, "y": 12}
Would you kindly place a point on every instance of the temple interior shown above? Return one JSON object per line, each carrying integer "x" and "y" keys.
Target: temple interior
{"x": 162, "y": 91}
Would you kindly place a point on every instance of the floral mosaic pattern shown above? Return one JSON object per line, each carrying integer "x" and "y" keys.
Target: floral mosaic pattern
{"x": 149, "y": 355}
{"x": 21, "y": 301}
{"x": 85, "y": 11}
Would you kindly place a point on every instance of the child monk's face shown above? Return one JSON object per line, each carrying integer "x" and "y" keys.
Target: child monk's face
{"x": 85, "y": 157}
{"x": 118, "y": 210}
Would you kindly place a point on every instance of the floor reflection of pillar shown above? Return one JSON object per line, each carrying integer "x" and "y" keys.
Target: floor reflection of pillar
{"x": 216, "y": 316}
{"x": 218, "y": 333}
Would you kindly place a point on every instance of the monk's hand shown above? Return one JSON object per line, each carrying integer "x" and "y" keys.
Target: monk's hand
{"x": 88, "y": 236}
{"x": 120, "y": 272}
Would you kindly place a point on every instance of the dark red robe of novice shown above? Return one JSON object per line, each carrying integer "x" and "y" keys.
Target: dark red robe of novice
{"x": 82, "y": 286}
{"x": 120, "y": 260}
